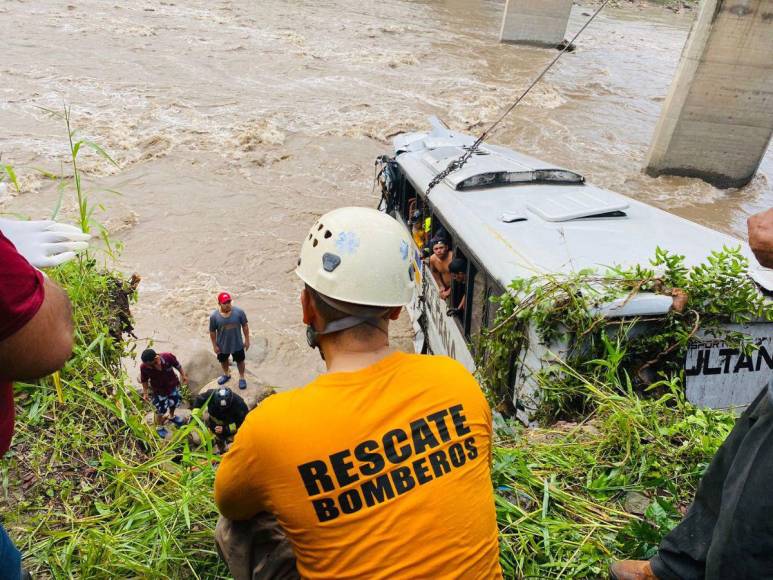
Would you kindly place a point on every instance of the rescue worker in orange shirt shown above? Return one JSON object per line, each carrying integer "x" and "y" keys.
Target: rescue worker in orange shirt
{"x": 379, "y": 468}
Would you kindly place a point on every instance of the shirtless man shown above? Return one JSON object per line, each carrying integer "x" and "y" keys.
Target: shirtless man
{"x": 439, "y": 262}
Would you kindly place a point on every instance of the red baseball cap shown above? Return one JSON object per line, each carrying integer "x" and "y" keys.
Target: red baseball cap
{"x": 223, "y": 297}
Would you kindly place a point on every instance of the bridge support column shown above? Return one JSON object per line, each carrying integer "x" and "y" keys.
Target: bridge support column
{"x": 718, "y": 118}
{"x": 537, "y": 22}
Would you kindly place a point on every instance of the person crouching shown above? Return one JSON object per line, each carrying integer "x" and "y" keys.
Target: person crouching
{"x": 226, "y": 411}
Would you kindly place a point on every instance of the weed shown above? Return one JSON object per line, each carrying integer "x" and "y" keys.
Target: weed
{"x": 89, "y": 490}
{"x": 562, "y": 489}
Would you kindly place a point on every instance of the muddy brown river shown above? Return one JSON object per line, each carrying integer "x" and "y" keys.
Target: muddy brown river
{"x": 235, "y": 124}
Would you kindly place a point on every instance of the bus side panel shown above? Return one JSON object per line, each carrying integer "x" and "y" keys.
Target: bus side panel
{"x": 538, "y": 355}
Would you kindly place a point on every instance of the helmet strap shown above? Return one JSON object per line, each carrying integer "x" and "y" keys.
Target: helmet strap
{"x": 312, "y": 334}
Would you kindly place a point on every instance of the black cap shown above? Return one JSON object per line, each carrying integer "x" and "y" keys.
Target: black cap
{"x": 148, "y": 355}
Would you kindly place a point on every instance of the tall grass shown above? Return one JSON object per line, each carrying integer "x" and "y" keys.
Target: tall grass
{"x": 90, "y": 491}
{"x": 562, "y": 490}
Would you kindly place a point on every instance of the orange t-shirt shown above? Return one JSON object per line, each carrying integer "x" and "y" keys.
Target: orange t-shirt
{"x": 378, "y": 473}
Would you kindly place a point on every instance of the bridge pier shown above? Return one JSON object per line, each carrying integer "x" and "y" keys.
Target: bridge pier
{"x": 717, "y": 120}
{"x": 536, "y": 22}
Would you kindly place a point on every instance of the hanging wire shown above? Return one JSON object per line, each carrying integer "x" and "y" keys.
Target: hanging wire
{"x": 459, "y": 162}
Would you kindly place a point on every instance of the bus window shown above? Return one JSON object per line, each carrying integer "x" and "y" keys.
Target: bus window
{"x": 407, "y": 201}
{"x": 457, "y": 301}
{"x": 440, "y": 257}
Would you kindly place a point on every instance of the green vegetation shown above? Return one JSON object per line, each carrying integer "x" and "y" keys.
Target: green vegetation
{"x": 90, "y": 491}
{"x": 625, "y": 434}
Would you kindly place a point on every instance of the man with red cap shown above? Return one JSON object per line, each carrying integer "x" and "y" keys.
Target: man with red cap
{"x": 226, "y": 326}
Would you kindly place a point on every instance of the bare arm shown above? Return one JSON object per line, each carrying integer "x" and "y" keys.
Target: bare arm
{"x": 44, "y": 344}
{"x": 761, "y": 237}
{"x": 183, "y": 376}
{"x": 145, "y": 389}
{"x": 246, "y": 331}
{"x": 435, "y": 272}
{"x": 213, "y": 338}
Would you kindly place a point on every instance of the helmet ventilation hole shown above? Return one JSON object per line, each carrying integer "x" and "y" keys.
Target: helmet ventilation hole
{"x": 309, "y": 236}
{"x": 320, "y": 227}
{"x": 328, "y": 234}
{"x": 314, "y": 244}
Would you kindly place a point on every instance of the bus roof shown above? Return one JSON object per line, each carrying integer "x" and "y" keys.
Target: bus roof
{"x": 521, "y": 217}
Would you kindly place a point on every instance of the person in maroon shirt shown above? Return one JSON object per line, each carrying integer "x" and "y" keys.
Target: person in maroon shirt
{"x": 36, "y": 337}
{"x": 157, "y": 374}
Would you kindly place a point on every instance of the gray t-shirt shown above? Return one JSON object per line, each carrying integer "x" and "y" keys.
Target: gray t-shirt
{"x": 228, "y": 329}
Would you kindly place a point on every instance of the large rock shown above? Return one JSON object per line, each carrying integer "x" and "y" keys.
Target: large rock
{"x": 202, "y": 367}
{"x": 255, "y": 392}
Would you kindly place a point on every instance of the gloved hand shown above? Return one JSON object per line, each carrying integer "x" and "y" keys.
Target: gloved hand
{"x": 44, "y": 243}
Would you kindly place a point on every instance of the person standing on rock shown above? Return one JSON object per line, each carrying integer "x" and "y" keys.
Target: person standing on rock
{"x": 158, "y": 377}
{"x": 379, "y": 468}
{"x": 226, "y": 325}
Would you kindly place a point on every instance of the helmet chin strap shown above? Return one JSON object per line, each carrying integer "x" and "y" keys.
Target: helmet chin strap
{"x": 312, "y": 335}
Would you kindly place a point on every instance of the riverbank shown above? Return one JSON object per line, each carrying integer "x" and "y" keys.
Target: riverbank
{"x": 90, "y": 491}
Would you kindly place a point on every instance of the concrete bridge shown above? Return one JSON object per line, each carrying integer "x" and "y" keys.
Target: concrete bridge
{"x": 717, "y": 120}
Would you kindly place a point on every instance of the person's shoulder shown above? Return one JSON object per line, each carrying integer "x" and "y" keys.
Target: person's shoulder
{"x": 213, "y": 314}
{"x": 272, "y": 415}
{"x": 436, "y": 362}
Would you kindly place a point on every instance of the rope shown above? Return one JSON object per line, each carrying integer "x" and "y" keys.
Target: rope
{"x": 458, "y": 163}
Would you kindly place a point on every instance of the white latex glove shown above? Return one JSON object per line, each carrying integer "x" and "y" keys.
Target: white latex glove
{"x": 44, "y": 243}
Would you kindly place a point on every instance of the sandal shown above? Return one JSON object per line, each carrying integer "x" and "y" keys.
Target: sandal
{"x": 242, "y": 384}
{"x": 179, "y": 421}
{"x": 223, "y": 379}
{"x": 162, "y": 432}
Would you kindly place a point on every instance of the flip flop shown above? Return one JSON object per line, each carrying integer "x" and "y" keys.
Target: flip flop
{"x": 223, "y": 379}
{"x": 179, "y": 421}
{"x": 242, "y": 384}
{"x": 162, "y": 432}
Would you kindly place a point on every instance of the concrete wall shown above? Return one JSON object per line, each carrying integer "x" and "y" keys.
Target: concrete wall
{"x": 537, "y": 22}
{"x": 717, "y": 121}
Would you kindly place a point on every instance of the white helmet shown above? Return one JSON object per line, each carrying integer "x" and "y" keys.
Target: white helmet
{"x": 358, "y": 255}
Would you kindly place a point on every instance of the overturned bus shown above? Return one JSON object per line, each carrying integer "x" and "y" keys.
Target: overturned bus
{"x": 513, "y": 216}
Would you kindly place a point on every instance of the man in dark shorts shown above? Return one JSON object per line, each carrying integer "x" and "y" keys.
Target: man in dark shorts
{"x": 226, "y": 412}
{"x": 36, "y": 337}
{"x": 157, "y": 375}
{"x": 226, "y": 325}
